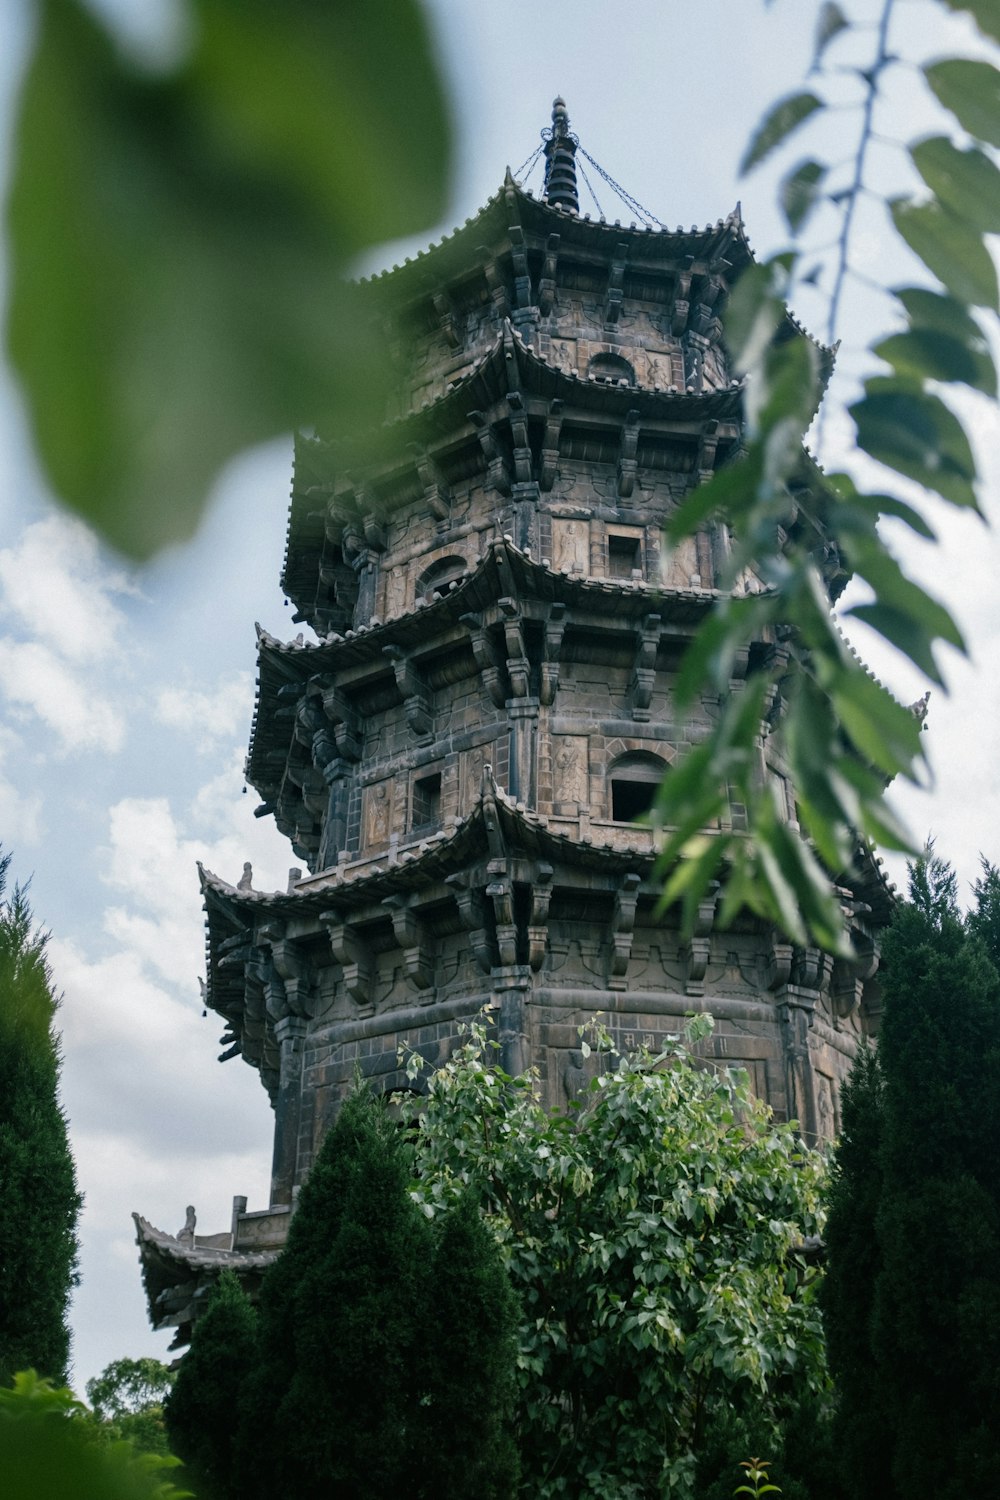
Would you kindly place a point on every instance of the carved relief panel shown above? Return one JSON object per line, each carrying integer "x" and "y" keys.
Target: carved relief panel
{"x": 377, "y": 813}
{"x": 570, "y": 773}
{"x": 570, "y": 545}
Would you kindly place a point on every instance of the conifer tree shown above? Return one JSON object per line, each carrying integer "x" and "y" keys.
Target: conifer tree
{"x": 378, "y": 1332}
{"x": 925, "y": 1345}
{"x": 202, "y": 1409}
{"x": 38, "y": 1244}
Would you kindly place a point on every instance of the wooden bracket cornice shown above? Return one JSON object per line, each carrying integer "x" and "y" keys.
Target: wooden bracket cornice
{"x": 522, "y": 275}
{"x": 445, "y": 309}
{"x": 682, "y": 294}
{"x": 437, "y": 496}
{"x": 345, "y": 724}
{"x": 538, "y": 920}
{"x": 472, "y": 914}
{"x": 518, "y": 669}
{"x": 294, "y": 971}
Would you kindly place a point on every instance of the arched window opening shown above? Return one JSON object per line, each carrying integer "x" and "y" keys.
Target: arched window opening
{"x": 437, "y": 580}
{"x": 611, "y": 368}
{"x": 634, "y": 782}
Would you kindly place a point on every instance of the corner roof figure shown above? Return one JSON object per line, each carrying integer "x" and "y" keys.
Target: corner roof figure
{"x": 560, "y": 161}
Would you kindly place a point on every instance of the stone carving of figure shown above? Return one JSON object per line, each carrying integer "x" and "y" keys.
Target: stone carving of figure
{"x": 245, "y": 882}
{"x": 824, "y": 1107}
{"x": 571, "y": 772}
{"x": 569, "y": 546}
{"x": 186, "y": 1235}
{"x": 377, "y": 831}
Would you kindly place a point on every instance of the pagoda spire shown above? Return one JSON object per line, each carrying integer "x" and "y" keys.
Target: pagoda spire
{"x": 560, "y": 161}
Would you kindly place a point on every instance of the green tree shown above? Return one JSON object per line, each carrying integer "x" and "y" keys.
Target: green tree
{"x": 202, "y": 1409}
{"x": 50, "y": 1448}
{"x": 38, "y": 1244}
{"x": 652, "y": 1236}
{"x": 923, "y": 1153}
{"x": 382, "y": 1362}
{"x": 127, "y": 1402}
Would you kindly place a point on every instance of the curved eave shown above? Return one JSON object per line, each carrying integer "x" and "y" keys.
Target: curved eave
{"x": 350, "y": 887}
{"x": 461, "y": 251}
{"x": 175, "y": 1276}
{"x": 501, "y": 568}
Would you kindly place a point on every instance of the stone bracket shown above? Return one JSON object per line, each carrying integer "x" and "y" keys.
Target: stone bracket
{"x": 708, "y": 442}
{"x": 519, "y": 433}
{"x": 355, "y": 960}
{"x": 487, "y": 659}
{"x": 698, "y": 948}
{"x": 616, "y": 277}
{"x": 416, "y": 695}
{"x": 555, "y": 627}
{"x": 445, "y": 309}
{"x": 472, "y": 913}
{"x": 627, "y": 464}
{"x": 495, "y": 282}
{"x": 414, "y": 940}
{"x": 550, "y": 445}
{"x": 517, "y": 656}
{"x": 497, "y": 473}
{"x": 547, "y": 280}
{"x": 623, "y": 930}
{"x": 294, "y": 972}
{"x": 644, "y": 666}
{"x": 437, "y": 496}
{"x": 682, "y": 293}
{"x": 501, "y": 892}
{"x": 346, "y": 729}
{"x": 522, "y": 276}
{"x": 538, "y": 920}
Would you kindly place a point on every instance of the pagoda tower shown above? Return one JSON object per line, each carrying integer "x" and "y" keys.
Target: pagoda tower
{"x": 460, "y": 757}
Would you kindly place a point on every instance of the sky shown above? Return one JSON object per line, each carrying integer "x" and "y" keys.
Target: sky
{"x": 126, "y": 695}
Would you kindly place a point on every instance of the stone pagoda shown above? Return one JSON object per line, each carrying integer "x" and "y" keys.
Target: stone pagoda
{"x": 462, "y": 757}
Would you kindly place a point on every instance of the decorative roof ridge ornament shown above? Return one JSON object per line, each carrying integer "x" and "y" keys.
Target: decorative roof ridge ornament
{"x": 560, "y": 161}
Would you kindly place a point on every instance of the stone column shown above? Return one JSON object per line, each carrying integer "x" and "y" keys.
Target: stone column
{"x": 290, "y": 1032}
{"x": 523, "y": 713}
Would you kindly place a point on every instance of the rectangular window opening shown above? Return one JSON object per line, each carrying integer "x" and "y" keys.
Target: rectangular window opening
{"x": 426, "y": 807}
{"x": 624, "y": 556}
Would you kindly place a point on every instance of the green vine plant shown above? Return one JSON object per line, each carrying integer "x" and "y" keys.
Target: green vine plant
{"x": 811, "y": 707}
{"x": 757, "y": 1481}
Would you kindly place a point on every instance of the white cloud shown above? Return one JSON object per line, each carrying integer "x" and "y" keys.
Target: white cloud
{"x": 208, "y": 716}
{"x": 54, "y": 583}
{"x": 20, "y": 811}
{"x": 33, "y": 676}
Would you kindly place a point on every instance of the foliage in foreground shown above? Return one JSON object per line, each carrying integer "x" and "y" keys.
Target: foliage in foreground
{"x": 50, "y": 1449}
{"x": 912, "y": 1295}
{"x": 38, "y": 1245}
{"x": 381, "y": 1362}
{"x": 650, "y": 1234}
{"x": 127, "y": 1402}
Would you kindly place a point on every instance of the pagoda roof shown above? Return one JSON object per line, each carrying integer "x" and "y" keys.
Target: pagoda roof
{"x": 503, "y": 570}
{"x": 176, "y": 1273}
{"x": 462, "y": 250}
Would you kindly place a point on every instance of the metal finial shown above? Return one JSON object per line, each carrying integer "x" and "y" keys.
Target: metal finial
{"x": 560, "y": 160}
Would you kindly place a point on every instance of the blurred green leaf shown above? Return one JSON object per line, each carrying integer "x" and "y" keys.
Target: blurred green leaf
{"x": 831, "y": 23}
{"x": 966, "y": 182}
{"x": 882, "y": 730}
{"x": 777, "y": 125}
{"x": 800, "y": 192}
{"x": 969, "y": 88}
{"x": 948, "y": 247}
{"x": 178, "y": 242}
{"x": 986, "y": 14}
{"x": 914, "y": 433}
{"x": 930, "y": 355}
